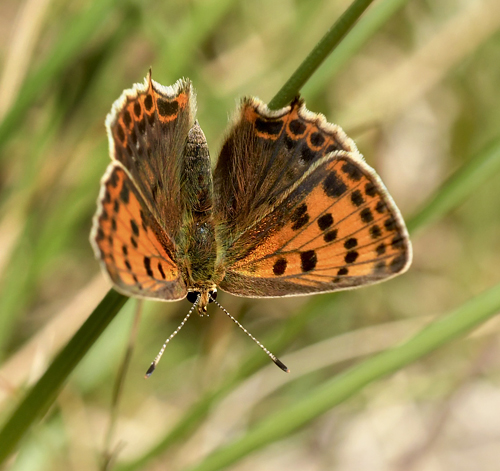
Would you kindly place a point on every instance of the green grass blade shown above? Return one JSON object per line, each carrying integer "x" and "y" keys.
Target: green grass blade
{"x": 290, "y": 418}
{"x": 320, "y": 52}
{"x": 462, "y": 183}
{"x": 41, "y": 396}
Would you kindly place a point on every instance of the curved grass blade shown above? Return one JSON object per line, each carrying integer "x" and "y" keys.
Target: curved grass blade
{"x": 41, "y": 396}
{"x": 462, "y": 183}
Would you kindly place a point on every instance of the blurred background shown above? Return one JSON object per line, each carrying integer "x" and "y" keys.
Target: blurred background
{"x": 420, "y": 95}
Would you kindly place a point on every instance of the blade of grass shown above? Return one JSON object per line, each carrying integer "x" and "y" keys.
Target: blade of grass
{"x": 320, "y": 52}
{"x": 41, "y": 396}
{"x": 462, "y": 183}
{"x": 109, "y": 454}
{"x": 318, "y": 401}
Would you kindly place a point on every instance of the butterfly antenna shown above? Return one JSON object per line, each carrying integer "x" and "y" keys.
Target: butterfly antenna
{"x": 174, "y": 333}
{"x": 276, "y": 360}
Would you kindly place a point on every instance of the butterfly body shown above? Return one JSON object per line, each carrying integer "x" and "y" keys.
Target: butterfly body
{"x": 197, "y": 248}
{"x": 291, "y": 208}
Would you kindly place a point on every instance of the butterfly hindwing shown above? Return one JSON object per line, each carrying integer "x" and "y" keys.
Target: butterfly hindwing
{"x": 147, "y": 130}
{"x": 332, "y": 226}
{"x": 133, "y": 249}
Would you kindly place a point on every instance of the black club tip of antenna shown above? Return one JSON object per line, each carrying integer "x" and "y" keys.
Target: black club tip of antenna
{"x": 281, "y": 365}
{"x": 150, "y": 370}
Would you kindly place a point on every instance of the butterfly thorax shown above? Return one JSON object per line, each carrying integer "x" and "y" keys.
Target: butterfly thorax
{"x": 198, "y": 244}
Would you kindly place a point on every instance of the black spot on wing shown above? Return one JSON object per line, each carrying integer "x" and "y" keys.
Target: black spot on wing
{"x": 279, "y": 266}
{"x": 397, "y": 242}
{"x": 317, "y": 139}
{"x": 137, "y": 109}
{"x": 352, "y": 171}
{"x": 308, "y": 260}
{"x": 351, "y": 256}
{"x": 125, "y": 194}
{"x": 397, "y": 263}
{"x": 370, "y": 189}
{"x": 333, "y": 185}
{"x": 350, "y": 243}
{"x": 375, "y": 231}
{"x": 113, "y": 180}
{"x": 120, "y": 132}
{"x": 366, "y": 215}
{"x": 390, "y": 224}
{"x": 167, "y": 108}
{"x": 297, "y": 127}
{"x": 160, "y": 269}
{"x": 147, "y": 266}
{"x": 325, "y": 221}
{"x": 330, "y": 236}
{"x": 269, "y": 127}
{"x": 134, "y": 227}
{"x": 148, "y": 102}
{"x": 127, "y": 118}
{"x": 306, "y": 154}
{"x": 357, "y": 198}
{"x": 300, "y": 217}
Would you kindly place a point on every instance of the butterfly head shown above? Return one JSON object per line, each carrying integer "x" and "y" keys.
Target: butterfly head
{"x": 205, "y": 297}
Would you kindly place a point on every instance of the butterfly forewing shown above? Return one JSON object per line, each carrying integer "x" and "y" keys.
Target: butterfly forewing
{"x": 331, "y": 225}
{"x": 264, "y": 155}
{"x": 147, "y": 128}
{"x": 132, "y": 247}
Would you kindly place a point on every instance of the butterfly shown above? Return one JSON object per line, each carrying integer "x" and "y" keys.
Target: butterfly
{"x": 291, "y": 208}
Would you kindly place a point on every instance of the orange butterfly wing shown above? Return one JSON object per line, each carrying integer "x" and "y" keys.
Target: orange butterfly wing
{"x": 140, "y": 212}
{"x": 322, "y": 222}
{"x": 132, "y": 247}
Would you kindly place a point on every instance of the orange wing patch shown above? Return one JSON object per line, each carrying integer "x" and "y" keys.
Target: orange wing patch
{"x": 135, "y": 252}
{"x": 338, "y": 229}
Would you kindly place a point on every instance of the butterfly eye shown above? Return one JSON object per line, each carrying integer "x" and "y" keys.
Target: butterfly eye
{"x": 192, "y": 296}
{"x": 212, "y": 296}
